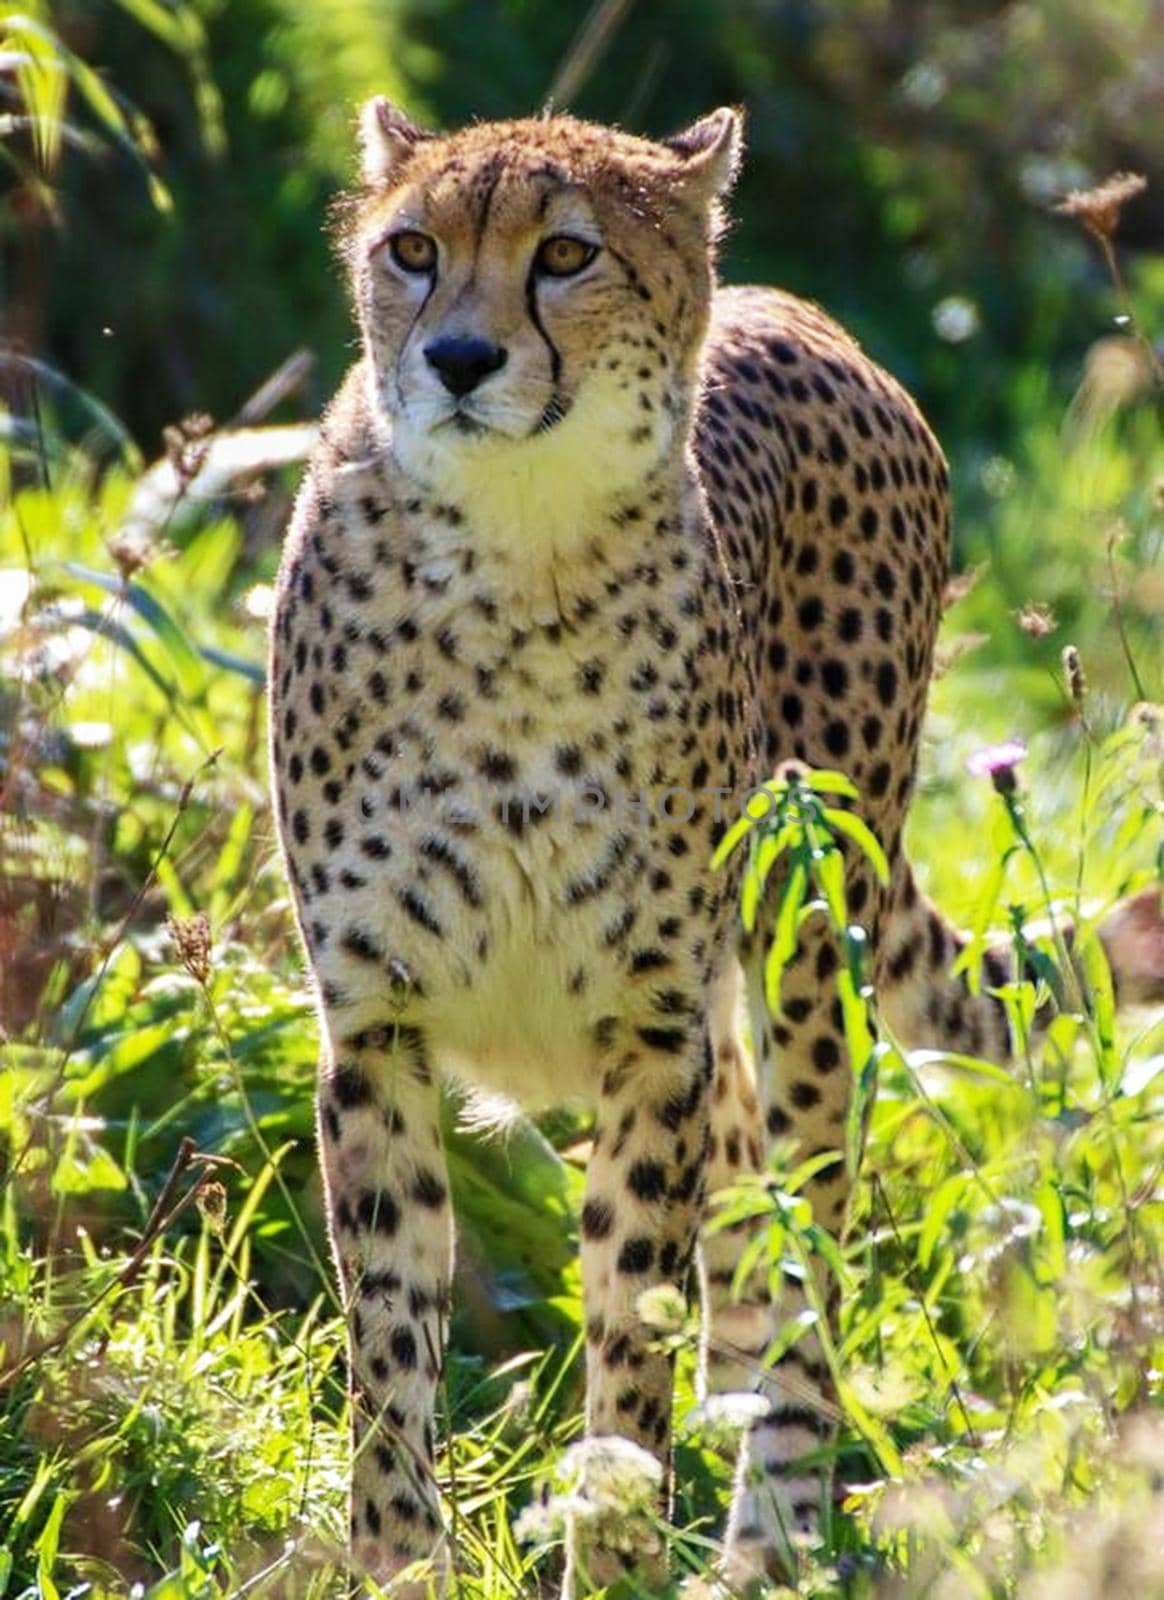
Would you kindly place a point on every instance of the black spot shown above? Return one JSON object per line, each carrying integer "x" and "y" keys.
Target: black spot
{"x": 636, "y": 1255}
{"x": 590, "y": 676}
{"x": 349, "y": 1087}
{"x": 879, "y": 779}
{"x": 886, "y": 682}
{"x": 420, "y": 911}
{"x": 810, "y": 613}
{"x": 597, "y": 1219}
{"x": 834, "y": 676}
{"x": 804, "y": 1096}
{"x": 405, "y": 1508}
{"x": 428, "y": 1190}
{"x": 403, "y": 1345}
{"x": 849, "y": 625}
{"x": 360, "y": 944}
{"x": 778, "y": 1121}
{"x": 669, "y": 1041}
{"x": 378, "y": 1211}
{"x": 497, "y": 766}
{"x": 647, "y": 1180}
{"x": 825, "y": 1054}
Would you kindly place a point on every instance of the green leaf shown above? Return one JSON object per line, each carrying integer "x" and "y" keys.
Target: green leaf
{"x": 189, "y": 667}
{"x": 829, "y": 871}
{"x": 765, "y": 856}
{"x": 100, "y": 623}
{"x": 938, "y": 1208}
{"x": 741, "y": 827}
{"x": 1097, "y": 976}
{"x": 826, "y": 781}
{"x": 82, "y": 1171}
{"x": 1049, "y": 1200}
{"x": 1138, "y": 1074}
{"x": 859, "y": 831}
{"x": 785, "y": 935}
{"x": 807, "y": 1170}
{"x": 919, "y": 1059}
{"x": 47, "y": 1543}
{"x": 229, "y": 662}
{"x": 871, "y": 1430}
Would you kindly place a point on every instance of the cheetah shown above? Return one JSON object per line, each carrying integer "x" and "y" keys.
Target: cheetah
{"x": 589, "y": 547}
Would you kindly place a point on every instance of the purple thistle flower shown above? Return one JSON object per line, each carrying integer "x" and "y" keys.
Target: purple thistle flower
{"x": 997, "y": 762}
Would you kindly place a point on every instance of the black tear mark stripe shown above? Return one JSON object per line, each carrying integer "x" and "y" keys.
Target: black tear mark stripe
{"x": 420, "y": 310}
{"x": 531, "y": 304}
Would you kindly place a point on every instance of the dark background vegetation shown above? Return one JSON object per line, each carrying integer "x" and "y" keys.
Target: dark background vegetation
{"x": 903, "y": 159}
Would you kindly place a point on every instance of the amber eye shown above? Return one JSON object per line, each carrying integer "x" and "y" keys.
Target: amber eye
{"x": 412, "y": 251}
{"x": 561, "y": 256}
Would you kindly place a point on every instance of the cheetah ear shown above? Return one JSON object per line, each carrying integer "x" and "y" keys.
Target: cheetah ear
{"x": 709, "y": 153}
{"x": 387, "y": 139}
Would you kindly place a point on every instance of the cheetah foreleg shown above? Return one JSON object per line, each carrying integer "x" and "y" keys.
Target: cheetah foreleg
{"x": 391, "y": 1227}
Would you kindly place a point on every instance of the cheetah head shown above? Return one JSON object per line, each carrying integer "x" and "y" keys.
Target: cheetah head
{"x": 532, "y": 295}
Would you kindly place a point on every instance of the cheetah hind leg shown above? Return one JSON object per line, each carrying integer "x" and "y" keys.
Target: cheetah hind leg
{"x": 644, "y": 1194}
{"x": 793, "y": 1082}
{"x": 926, "y": 1005}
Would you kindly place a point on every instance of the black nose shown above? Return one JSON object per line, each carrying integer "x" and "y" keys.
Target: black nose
{"x": 462, "y": 363}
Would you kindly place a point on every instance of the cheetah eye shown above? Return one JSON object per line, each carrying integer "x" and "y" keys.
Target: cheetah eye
{"x": 562, "y": 256}
{"x": 413, "y": 251}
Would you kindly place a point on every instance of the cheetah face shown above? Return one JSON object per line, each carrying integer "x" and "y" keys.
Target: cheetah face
{"x": 535, "y": 293}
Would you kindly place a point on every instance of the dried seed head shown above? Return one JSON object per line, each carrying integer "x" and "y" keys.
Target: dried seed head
{"x": 191, "y": 940}
{"x": 1144, "y": 714}
{"x": 211, "y": 1201}
{"x": 1037, "y": 621}
{"x": 962, "y": 584}
{"x": 951, "y": 650}
{"x": 187, "y": 446}
{"x": 1099, "y": 209}
{"x": 1150, "y": 718}
{"x": 132, "y": 550}
{"x": 1073, "y": 672}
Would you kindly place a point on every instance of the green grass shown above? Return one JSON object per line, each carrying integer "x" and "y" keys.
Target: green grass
{"x": 175, "y": 1423}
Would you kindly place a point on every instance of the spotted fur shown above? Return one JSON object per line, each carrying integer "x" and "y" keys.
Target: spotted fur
{"x": 673, "y": 537}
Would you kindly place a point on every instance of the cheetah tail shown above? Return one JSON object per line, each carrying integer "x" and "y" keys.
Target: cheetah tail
{"x": 926, "y": 1005}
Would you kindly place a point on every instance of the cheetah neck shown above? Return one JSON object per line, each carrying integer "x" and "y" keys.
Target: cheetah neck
{"x": 545, "y": 541}
{"x": 539, "y": 503}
